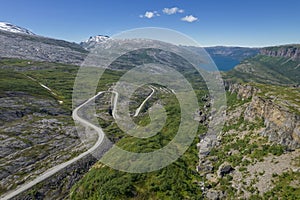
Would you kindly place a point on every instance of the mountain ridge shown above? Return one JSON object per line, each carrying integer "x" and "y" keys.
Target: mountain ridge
{"x": 291, "y": 51}
{"x": 39, "y": 48}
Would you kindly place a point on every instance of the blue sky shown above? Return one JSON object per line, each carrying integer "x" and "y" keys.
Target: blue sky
{"x": 222, "y": 22}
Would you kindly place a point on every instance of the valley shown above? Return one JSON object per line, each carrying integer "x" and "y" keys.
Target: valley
{"x": 255, "y": 156}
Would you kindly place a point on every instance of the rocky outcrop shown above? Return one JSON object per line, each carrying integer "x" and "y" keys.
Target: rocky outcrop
{"x": 16, "y": 105}
{"x": 243, "y": 91}
{"x": 291, "y": 51}
{"x": 224, "y": 169}
{"x": 282, "y": 125}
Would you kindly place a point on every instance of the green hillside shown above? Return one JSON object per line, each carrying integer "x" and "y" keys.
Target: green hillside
{"x": 267, "y": 69}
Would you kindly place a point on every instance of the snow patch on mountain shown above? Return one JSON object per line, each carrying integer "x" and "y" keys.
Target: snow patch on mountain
{"x": 5, "y": 26}
{"x": 98, "y": 39}
{"x": 94, "y": 41}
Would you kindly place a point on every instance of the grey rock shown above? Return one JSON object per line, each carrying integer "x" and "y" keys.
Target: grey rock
{"x": 282, "y": 125}
{"x": 287, "y": 51}
{"x": 225, "y": 169}
{"x": 214, "y": 194}
{"x": 32, "y": 47}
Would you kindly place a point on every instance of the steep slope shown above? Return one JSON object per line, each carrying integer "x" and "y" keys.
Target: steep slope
{"x": 257, "y": 154}
{"x": 5, "y": 26}
{"x": 32, "y": 47}
{"x": 270, "y": 67}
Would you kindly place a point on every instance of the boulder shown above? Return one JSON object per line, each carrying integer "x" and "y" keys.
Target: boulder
{"x": 224, "y": 169}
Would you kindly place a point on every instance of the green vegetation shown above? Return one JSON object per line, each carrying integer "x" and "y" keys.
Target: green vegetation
{"x": 250, "y": 146}
{"x": 11, "y": 81}
{"x": 176, "y": 181}
{"x": 233, "y": 101}
{"x": 266, "y": 69}
{"x": 286, "y": 187}
{"x": 173, "y": 182}
{"x": 288, "y": 97}
{"x": 58, "y": 77}
{"x": 288, "y": 46}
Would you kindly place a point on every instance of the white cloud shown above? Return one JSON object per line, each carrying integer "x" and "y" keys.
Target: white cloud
{"x": 189, "y": 18}
{"x": 171, "y": 11}
{"x": 150, "y": 14}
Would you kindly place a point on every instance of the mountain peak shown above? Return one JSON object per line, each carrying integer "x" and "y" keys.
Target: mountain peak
{"x": 97, "y": 38}
{"x": 94, "y": 40}
{"x": 5, "y": 26}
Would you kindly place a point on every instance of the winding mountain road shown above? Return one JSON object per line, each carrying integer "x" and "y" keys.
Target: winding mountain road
{"x": 50, "y": 172}
{"x": 138, "y": 110}
{"x": 115, "y": 104}
{"x": 59, "y": 167}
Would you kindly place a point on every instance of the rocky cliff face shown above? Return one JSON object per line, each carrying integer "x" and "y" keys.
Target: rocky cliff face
{"x": 292, "y": 51}
{"x": 282, "y": 125}
{"x": 243, "y": 91}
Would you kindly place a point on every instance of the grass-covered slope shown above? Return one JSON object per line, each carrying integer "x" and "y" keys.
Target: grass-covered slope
{"x": 267, "y": 69}
{"x": 176, "y": 181}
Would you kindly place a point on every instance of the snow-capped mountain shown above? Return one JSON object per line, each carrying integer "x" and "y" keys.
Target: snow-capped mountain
{"x": 5, "y": 26}
{"x": 97, "y": 38}
{"x": 93, "y": 41}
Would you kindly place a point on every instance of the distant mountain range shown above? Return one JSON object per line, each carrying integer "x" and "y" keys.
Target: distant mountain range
{"x": 18, "y": 42}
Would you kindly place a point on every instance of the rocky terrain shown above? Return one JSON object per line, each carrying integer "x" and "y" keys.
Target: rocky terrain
{"x": 282, "y": 125}
{"x": 35, "y": 135}
{"x": 256, "y": 155}
{"x": 33, "y": 47}
{"x": 259, "y": 143}
{"x": 36, "y": 128}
